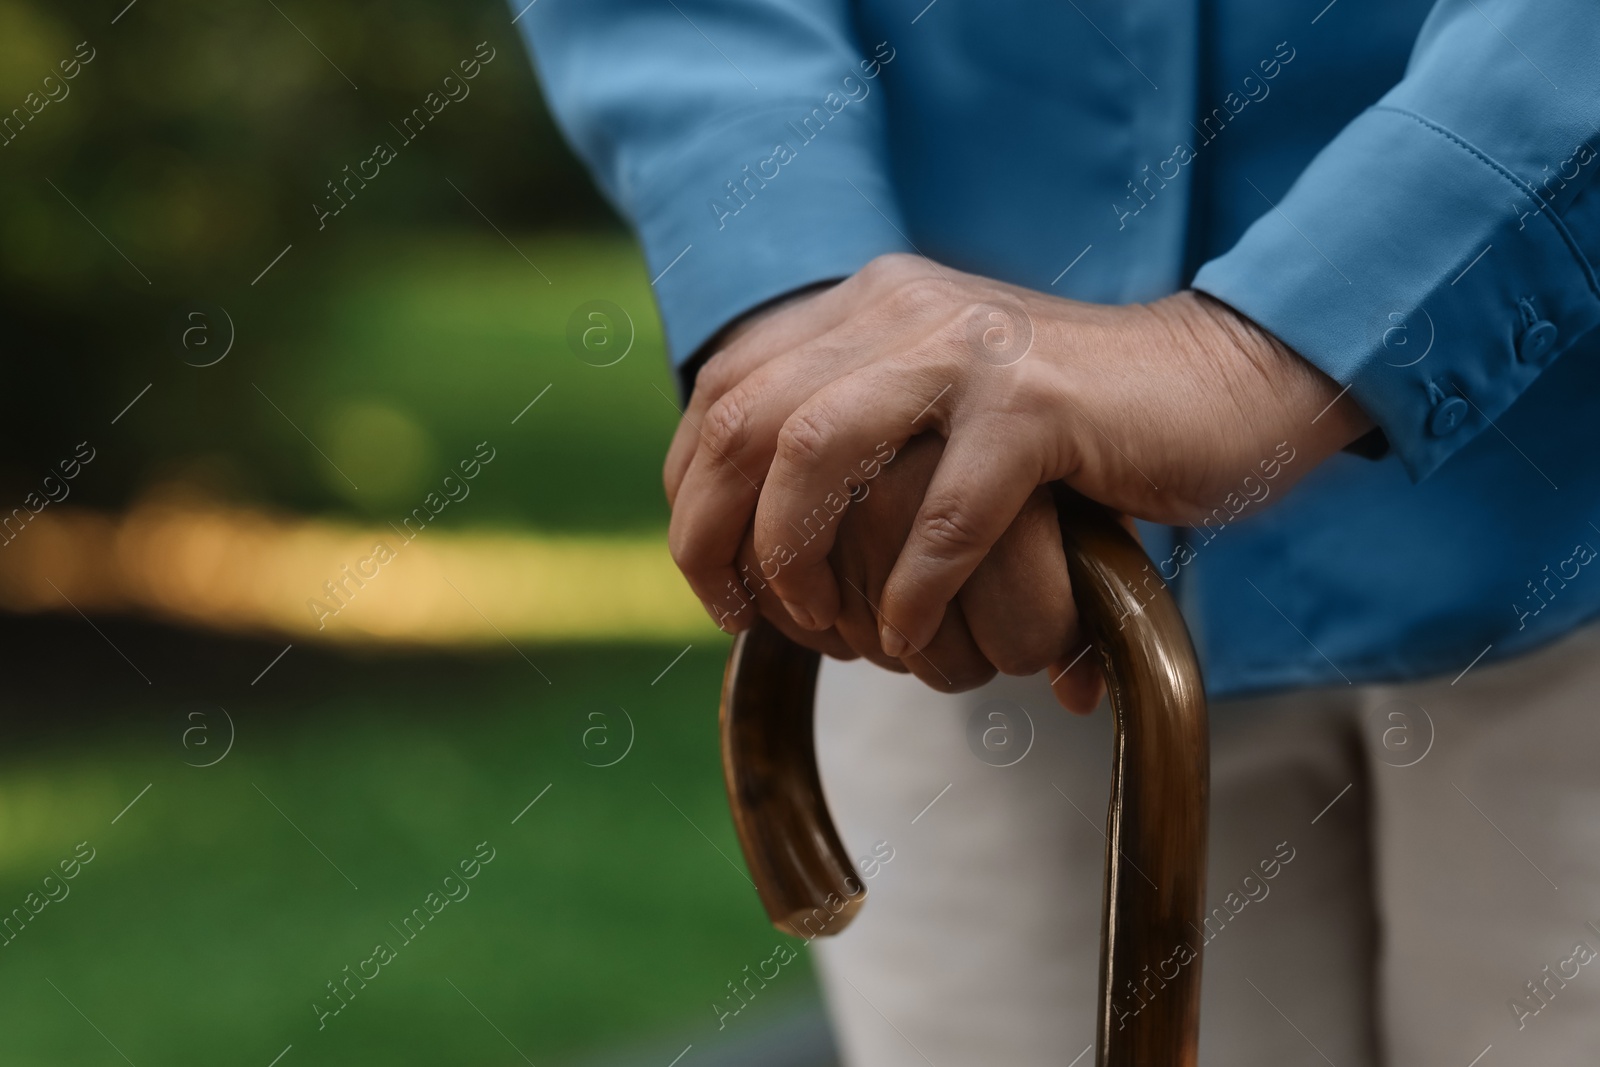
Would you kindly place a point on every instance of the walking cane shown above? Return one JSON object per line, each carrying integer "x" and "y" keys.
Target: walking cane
{"x": 1149, "y": 1008}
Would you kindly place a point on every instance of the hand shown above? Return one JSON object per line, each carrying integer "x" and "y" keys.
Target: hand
{"x": 1018, "y": 600}
{"x": 741, "y": 347}
{"x": 744, "y": 345}
{"x": 1158, "y": 410}
{"x": 1015, "y": 613}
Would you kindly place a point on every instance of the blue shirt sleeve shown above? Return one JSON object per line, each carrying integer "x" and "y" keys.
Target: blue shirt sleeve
{"x": 1437, "y": 255}
{"x": 744, "y": 142}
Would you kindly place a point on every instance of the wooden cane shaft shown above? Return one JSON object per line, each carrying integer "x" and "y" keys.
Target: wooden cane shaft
{"x": 1149, "y": 1010}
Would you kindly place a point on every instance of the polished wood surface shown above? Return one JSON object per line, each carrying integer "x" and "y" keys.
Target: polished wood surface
{"x": 1149, "y": 1010}
{"x": 769, "y": 761}
{"x": 1150, "y": 940}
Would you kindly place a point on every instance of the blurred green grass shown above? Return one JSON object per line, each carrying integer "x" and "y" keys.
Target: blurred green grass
{"x": 207, "y": 925}
{"x": 464, "y": 333}
{"x": 402, "y": 354}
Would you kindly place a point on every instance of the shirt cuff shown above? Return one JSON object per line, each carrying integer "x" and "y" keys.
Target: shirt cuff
{"x": 1417, "y": 272}
{"x": 766, "y": 205}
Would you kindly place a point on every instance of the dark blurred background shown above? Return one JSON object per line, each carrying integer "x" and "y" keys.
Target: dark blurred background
{"x": 267, "y": 393}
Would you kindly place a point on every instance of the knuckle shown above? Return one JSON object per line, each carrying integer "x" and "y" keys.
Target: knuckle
{"x": 889, "y": 268}
{"x": 951, "y": 345}
{"x": 727, "y": 425}
{"x": 948, "y": 530}
{"x": 804, "y": 439}
{"x": 917, "y": 294}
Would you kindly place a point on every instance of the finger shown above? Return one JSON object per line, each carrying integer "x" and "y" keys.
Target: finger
{"x": 950, "y": 662}
{"x": 704, "y": 545}
{"x": 753, "y": 598}
{"x": 739, "y": 438}
{"x": 869, "y": 539}
{"x": 981, "y": 484}
{"x": 1077, "y": 682}
{"x": 858, "y": 629}
{"x": 1018, "y": 602}
{"x": 827, "y": 454}
{"x": 750, "y": 343}
{"x": 857, "y": 621}
{"x": 719, "y": 492}
{"x": 827, "y": 642}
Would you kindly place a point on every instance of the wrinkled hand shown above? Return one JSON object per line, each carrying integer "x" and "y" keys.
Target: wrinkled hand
{"x": 1157, "y": 410}
{"x": 1015, "y": 614}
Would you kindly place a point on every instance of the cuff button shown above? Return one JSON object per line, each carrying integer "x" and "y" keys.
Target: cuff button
{"x": 1447, "y": 417}
{"x": 1538, "y": 343}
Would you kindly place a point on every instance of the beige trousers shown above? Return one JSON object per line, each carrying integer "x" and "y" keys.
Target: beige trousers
{"x": 1405, "y": 875}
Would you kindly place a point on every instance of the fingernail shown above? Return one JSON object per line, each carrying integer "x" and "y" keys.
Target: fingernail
{"x": 800, "y": 615}
{"x": 893, "y": 644}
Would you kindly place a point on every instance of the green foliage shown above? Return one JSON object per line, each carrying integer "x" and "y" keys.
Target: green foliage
{"x": 189, "y": 152}
{"x": 201, "y": 133}
{"x": 207, "y": 925}
{"x": 427, "y": 345}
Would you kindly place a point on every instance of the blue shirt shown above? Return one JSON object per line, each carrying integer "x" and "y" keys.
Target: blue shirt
{"x": 1403, "y": 191}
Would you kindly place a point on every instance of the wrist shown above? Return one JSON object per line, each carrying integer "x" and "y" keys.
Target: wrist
{"x": 1287, "y": 397}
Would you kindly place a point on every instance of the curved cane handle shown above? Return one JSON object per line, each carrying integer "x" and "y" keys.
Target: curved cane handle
{"x": 1149, "y": 1011}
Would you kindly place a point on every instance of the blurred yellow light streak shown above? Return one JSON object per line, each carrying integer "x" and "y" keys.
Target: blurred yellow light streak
{"x": 246, "y": 571}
